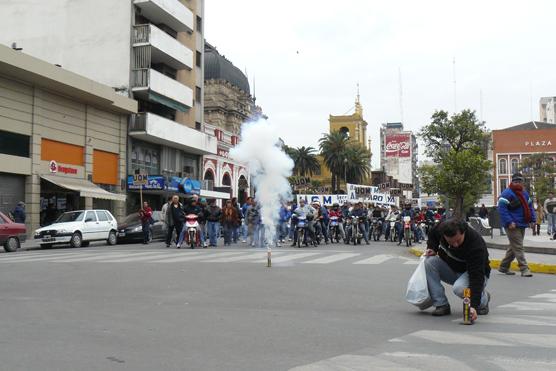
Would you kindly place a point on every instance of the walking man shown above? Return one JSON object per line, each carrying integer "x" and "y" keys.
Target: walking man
{"x": 174, "y": 219}
{"x": 550, "y": 210}
{"x": 457, "y": 255}
{"x": 229, "y": 221}
{"x": 214, "y": 213}
{"x": 517, "y": 213}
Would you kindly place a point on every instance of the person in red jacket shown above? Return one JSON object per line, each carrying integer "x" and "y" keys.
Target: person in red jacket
{"x": 146, "y": 214}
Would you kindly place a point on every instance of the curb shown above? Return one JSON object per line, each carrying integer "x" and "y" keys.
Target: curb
{"x": 495, "y": 263}
{"x": 530, "y": 249}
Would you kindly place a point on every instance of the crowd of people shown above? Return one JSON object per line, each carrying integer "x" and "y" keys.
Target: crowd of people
{"x": 235, "y": 223}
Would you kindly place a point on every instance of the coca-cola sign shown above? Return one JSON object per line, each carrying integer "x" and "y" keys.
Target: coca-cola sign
{"x": 398, "y": 145}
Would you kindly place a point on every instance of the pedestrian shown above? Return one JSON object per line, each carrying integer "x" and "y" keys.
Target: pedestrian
{"x": 229, "y": 221}
{"x": 146, "y": 215}
{"x": 285, "y": 215}
{"x": 458, "y": 256}
{"x": 539, "y": 219}
{"x": 244, "y": 229}
{"x": 483, "y": 212}
{"x": 236, "y": 230}
{"x": 253, "y": 223}
{"x": 19, "y": 215}
{"x": 203, "y": 220}
{"x": 550, "y": 211}
{"x": 163, "y": 212}
{"x": 214, "y": 214}
{"x": 517, "y": 213}
{"x": 174, "y": 219}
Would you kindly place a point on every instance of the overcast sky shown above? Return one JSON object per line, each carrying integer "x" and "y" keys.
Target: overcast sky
{"x": 308, "y": 55}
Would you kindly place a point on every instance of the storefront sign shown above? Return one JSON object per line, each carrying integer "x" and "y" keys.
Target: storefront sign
{"x": 538, "y": 143}
{"x": 55, "y": 168}
{"x": 153, "y": 182}
{"x": 398, "y": 145}
{"x": 372, "y": 194}
{"x": 184, "y": 185}
{"x": 223, "y": 153}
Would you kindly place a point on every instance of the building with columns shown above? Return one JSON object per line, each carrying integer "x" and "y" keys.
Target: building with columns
{"x": 62, "y": 140}
{"x": 228, "y": 105}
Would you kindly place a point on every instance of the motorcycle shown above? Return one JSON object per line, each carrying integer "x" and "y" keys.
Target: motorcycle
{"x": 191, "y": 225}
{"x": 348, "y": 227}
{"x": 376, "y": 228}
{"x": 423, "y": 228}
{"x": 334, "y": 229}
{"x": 356, "y": 235}
{"x": 407, "y": 233}
{"x": 303, "y": 235}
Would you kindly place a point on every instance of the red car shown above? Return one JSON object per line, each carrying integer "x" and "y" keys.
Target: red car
{"x": 11, "y": 234}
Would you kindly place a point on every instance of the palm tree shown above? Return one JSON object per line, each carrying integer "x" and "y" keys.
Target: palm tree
{"x": 358, "y": 158}
{"x": 332, "y": 147}
{"x": 305, "y": 161}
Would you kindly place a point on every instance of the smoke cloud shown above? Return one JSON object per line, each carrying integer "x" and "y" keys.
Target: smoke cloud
{"x": 269, "y": 166}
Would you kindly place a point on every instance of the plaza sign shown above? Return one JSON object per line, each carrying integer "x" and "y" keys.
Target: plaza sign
{"x": 538, "y": 143}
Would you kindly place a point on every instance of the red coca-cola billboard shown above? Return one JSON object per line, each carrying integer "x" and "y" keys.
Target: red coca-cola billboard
{"x": 398, "y": 145}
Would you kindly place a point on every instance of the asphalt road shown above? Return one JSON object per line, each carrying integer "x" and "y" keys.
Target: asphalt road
{"x": 336, "y": 307}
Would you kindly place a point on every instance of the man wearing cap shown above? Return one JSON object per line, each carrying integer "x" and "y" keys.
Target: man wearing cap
{"x": 517, "y": 213}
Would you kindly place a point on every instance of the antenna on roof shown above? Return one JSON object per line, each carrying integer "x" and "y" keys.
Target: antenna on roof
{"x": 401, "y": 92}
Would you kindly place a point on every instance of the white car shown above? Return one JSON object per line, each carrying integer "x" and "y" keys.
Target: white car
{"x": 78, "y": 228}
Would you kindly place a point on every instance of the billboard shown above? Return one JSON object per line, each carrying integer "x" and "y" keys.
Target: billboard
{"x": 398, "y": 145}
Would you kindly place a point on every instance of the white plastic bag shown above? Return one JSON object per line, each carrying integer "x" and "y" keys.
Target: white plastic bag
{"x": 417, "y": 289}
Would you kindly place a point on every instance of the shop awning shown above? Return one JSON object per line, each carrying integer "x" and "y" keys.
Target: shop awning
{"x": 84, "y": 187}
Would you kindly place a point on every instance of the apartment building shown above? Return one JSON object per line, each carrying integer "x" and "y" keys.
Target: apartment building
{"x": 151, "y": 50}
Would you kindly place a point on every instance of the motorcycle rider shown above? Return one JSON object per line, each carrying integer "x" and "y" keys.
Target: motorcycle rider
{"x": 393, "y": 216}
{"x": 308, "y": 212}
{"x": 420, "y": 218}
{"x": 193, "y": 207}
{"x": 322, "y": 220}
{"x": 360, "y": 212}
{"x": 336, "y": 212}
{"x": 407, "y": 211}
{"x": 377, "y": 213}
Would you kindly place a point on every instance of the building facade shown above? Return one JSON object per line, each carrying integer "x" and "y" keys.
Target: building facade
{"x": 512, "y": 145}
{"x": 399, "y": 154}
{"x": 62, "y": 140}
{"x": 151, "y": 50}
{"x": 228, "y": 105}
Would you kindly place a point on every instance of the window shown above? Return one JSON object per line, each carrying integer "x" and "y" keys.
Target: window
{"x": 199, "y": 24}
{"x": 198, "y": 94}
{"x": 502, "y": 166}
{"x": 102, "y": 216}
{"x": 197, "y": 125}
{"x": 14, "y": 144}
{"x": 515, "y": 165}
{"x": 198, "y": 57}
{"x": 90, "y": 216}
{"x": 503, "y": 185}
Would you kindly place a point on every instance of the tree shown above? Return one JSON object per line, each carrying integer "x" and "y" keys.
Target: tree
{"x": 456, "y": 144}
{"x": 332, "y": 148}
{"x": 305, "y": 161}
{"x": 358, "y": 158}
{"x": 538, "y": 170}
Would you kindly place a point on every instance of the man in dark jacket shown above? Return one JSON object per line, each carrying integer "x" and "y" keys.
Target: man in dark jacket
{"x": 214, "y": 214}
{"x": 457, "y": 255}
{"x": 19, "y": 213}
{"x": 175, "y": 218}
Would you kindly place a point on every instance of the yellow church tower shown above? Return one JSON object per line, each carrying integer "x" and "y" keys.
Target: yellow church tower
{"x": 354, "y": 126}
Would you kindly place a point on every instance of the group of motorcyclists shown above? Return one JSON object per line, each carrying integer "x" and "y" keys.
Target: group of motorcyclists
{"x": 354, "y": 223}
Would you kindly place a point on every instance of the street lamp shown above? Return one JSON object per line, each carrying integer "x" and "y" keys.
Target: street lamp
{"x": 345, "y": 171}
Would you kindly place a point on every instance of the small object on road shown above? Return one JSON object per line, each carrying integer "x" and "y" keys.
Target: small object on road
{"x": 269, "y": 257}
{"x": 467, "y": 320}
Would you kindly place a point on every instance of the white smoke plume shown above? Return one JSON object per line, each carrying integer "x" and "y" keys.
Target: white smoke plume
{"x": 269, "y": 166}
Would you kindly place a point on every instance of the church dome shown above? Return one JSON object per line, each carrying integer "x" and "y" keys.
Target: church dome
{"x": 217, "y": 67}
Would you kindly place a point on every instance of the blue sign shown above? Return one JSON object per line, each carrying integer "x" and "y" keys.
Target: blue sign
{"x": 154, "y": 182}
{"x": 184, "y": 185}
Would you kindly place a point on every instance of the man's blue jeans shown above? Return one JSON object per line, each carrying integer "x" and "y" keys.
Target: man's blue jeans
{"x": 213, "y": 230}
{"x": 439, "y": 271}
{"x": 551, "y": 221}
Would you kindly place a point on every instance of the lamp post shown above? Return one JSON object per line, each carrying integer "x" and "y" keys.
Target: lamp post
{"x": 345, "y": 172}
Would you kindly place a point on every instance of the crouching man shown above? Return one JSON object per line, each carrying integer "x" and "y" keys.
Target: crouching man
{"x": 457, "y": 255}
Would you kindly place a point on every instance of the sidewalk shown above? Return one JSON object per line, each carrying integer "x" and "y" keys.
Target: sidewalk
{"x": 532, "y": 244}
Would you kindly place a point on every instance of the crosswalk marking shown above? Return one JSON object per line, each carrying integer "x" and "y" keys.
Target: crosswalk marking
{"x": 352, "y": 362}
{"x": 547, "y": 296}
{"x": 45, "y": 257}
{"x": 245, "y": 257}
{"x": 520, "y": 364}
{"x": 505, "y": 339}
{"x": 412, "y": 262}
{"x": 423, "y": 361}
{"x": 332, "y": 258}
{"x": 525, "y": 320}
{"x": 194, "y": 256}
{"x": 288, "y": 258}
{"x": 377, "y": 259}
{"x": 97, "y": 256}
{"x": 152, "y": 255}
{"x": 533, "y": 306}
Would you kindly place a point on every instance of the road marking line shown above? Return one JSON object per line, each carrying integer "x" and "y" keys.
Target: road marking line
{"x": 288, "y": 258}
{"x": 548, "y": 296}
{"x": 412, "y": 262}
{"x": 100, "y": 256}
{"x": 520, "y": 319}
{"x": 505, "y": 339}
{"x": 519, "y": 364}
{"x": 525, "y": 305}
{"x": 353, "y": 362}
{"x": 424, "y": 361}
{"x": 46, "y": 257}
{"x": 332, "y": 258}
{"x": 377, "y": 259}
{"x": 135, "y": 258}
{"x": 246, "y": 257}
{"x": 194, "y": 256}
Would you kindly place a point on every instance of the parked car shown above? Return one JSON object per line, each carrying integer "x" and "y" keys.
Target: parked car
{"x": 11, "y": 234}
{"x": 130, "y": 229}
{"x": 78, "y": 228}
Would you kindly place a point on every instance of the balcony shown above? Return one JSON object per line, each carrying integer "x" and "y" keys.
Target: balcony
{"x": 151, "y": 85}
{"x": 163, "y": 47}
{"x": 169, "y": 12}
{"x": 155, "y": 129}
